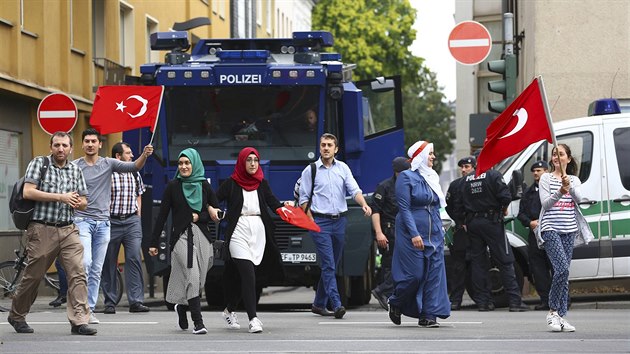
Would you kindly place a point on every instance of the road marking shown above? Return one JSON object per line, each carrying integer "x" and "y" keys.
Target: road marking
{"x": 389, "y": 322}
{"x": 102, "y": 322}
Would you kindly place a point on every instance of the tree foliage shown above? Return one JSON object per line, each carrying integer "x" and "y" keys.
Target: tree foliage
{"x": 376, "y": 35}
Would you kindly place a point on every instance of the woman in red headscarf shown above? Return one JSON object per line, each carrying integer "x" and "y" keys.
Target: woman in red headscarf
{"x": 253, "y": 253}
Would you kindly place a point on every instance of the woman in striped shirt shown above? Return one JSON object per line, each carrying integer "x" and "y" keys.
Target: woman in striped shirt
{"x": 559, "y": 193}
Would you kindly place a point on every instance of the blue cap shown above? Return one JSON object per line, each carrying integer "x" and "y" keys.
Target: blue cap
{"x": 540, "y": 164}
{"x": 470, "y": 160}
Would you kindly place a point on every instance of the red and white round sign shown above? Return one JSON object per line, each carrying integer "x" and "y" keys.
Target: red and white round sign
{"x": 469, "y": 42}
{"x": 57, "y": 112}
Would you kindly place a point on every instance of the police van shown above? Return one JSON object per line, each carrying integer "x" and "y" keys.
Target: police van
{"x": 600, "y": 144}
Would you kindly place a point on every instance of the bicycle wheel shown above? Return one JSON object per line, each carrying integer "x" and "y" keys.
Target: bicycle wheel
{"x": 9, "y": 281}
{"x": 52, "y": 281}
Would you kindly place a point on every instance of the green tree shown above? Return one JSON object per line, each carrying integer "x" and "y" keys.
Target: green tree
{"x": 376, "y": 35}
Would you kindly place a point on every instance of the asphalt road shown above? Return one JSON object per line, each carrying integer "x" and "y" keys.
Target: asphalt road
{"x": 602, "y": 327}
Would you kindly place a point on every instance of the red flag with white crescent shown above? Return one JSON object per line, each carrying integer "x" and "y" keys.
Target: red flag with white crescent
{"x": 121, "y": 108}
{"x": 296, "y": 216}
{"x": 522, "y": 123}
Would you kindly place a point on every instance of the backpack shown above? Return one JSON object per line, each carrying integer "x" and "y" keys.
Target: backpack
{"x": 296, "y": 188}
{"x": 22, "y": 209}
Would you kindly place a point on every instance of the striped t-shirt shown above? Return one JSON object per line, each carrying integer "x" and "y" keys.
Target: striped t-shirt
{"x": 561, "y": 216}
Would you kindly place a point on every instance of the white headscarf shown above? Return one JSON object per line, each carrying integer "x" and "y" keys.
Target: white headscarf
{"x": 419, "y": 155}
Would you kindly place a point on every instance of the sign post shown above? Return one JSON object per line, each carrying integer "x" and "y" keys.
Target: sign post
{"x": 57, "y": 112}
{"x": 469, "y": 42}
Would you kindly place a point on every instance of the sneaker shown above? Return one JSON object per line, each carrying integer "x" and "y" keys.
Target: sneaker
{"x": 566, "y": 326}
{"x": 428, "y": 323}
{"x": 83, "y": 330}
{"x": 255, "y": 326}
{"x": 93, "y": 319}
{"x": 20, "y": 326}
{"x": 200, "y": 328}
{"x": 182, "y": 320}
{"x": 394, "y": 314}
{"x": 553, "y": 322}
{"x": 231, "y": 320}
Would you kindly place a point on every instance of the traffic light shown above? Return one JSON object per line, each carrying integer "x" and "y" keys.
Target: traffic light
{"x": 506, "y": 87}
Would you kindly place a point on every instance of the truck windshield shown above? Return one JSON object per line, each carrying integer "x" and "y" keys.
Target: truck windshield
{"x": 279, "y": 121}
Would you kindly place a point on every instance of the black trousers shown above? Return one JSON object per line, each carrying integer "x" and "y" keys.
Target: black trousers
{"x": 539, "y": 267}
{"x": 386, "y": 287}
{"x": 490, "y": 234}
{"x": 239, "y": 280}
{"x": 459, "y": 267}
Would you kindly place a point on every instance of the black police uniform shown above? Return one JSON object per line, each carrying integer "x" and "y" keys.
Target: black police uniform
{"x": 384, "y": 203}
{"x": 485, "y": 197}
{"x": 539, "y": 265}
{"x": 459, "y": 259}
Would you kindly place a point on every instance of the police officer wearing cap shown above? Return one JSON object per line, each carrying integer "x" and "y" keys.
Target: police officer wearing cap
{"x": 528, "y": 213}
{"x": 384, "y": 210}
{"x": 458, "y": 269}
{"x": 486, "y": 198}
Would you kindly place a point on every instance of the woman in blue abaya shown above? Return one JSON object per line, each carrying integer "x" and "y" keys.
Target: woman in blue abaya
{"x": 418, "y": 262}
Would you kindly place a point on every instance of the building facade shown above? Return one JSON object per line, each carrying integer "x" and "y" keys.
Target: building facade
{"x": 580, "y": 48}
{"x": 75, "y": 46}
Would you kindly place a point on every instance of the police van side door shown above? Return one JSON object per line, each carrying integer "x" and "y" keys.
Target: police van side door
{"x": 617, "y": 146}
{"x": 585, "y": 143}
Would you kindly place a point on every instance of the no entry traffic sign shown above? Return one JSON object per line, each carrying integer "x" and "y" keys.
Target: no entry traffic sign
{"x": 57, "y": 112}
{"x": 469, "y": 42}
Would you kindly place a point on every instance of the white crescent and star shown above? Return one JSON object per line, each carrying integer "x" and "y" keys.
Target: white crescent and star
{"x": 521, "y": 113}
{"x": 120, "y": 106}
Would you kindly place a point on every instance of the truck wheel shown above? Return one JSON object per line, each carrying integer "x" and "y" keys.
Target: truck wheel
{"x": 498, "y": 293}
{"x": 214, "y": 294}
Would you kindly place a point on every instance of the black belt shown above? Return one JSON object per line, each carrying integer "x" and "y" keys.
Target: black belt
{"x": 329, "y": 216}
{"x": 486, "y": 214}
{"x": 55, "y": 224}
{"x": 122, "y": 217}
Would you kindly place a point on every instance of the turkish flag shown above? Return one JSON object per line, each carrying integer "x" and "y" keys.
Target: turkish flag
{"x": 296, "y": 216}
{"x": 121, "y": 108}
{"x": 522, "y": 123}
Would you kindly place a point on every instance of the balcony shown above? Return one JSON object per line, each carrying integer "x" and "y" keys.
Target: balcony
{"x": 107, "y": 72}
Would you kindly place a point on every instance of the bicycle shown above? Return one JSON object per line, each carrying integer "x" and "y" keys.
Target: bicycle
{"x": 11, "y": 274}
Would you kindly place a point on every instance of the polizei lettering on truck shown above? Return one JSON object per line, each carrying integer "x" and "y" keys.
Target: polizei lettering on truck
{"x": 240, "y": 79}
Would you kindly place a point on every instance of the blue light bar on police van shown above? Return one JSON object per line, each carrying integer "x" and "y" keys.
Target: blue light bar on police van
{"x": 249, "y": 56}
{"x": 603, "y": 106}
{"x": 330, "y": 56}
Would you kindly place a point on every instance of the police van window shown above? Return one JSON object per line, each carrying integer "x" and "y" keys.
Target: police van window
{"x": 280, "y": 121}
{"x": 621, "y": 138}
{"x": 581, "y": 145}
{"x": 381, "y": 106}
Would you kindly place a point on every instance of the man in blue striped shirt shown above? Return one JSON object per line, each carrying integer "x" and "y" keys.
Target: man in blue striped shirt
{"x": 333, "y": 180}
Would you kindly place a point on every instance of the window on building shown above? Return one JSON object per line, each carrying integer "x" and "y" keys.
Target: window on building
{"x": 152, "y": 56}
{"x": 259, "y": 12}
{"x": 10, "y": 167}
{"x": 269, "y": 13}
{"x": 126, "y": 35}
{"x": 98, "y": 29}
{"x": 79, "y": 25}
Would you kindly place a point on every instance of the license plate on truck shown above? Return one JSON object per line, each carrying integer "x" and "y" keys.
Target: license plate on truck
{"x": 299, "y": 257}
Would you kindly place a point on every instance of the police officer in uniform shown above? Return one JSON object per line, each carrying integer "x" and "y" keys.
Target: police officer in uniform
{"x": 384, "y": 210}
{"x": 458, "y": 269}
{"x": 528, "y": 214}
{"x": 486, "y": 198}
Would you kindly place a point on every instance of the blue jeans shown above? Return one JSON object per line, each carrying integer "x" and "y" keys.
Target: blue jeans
{"x": 329, "y": 243}
{"x": 94, "y": 235}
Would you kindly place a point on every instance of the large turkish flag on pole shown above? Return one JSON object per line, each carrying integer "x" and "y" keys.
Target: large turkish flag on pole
{"x": 522, "y": 123}
{"x": 121, "y": 108}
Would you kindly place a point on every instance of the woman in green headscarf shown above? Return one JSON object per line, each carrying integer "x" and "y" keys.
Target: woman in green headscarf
{"x": 187, "y": 197}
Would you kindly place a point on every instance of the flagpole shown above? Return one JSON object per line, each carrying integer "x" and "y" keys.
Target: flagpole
{"x": 541, "y": 85}
{"x": 157, "y": 118}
